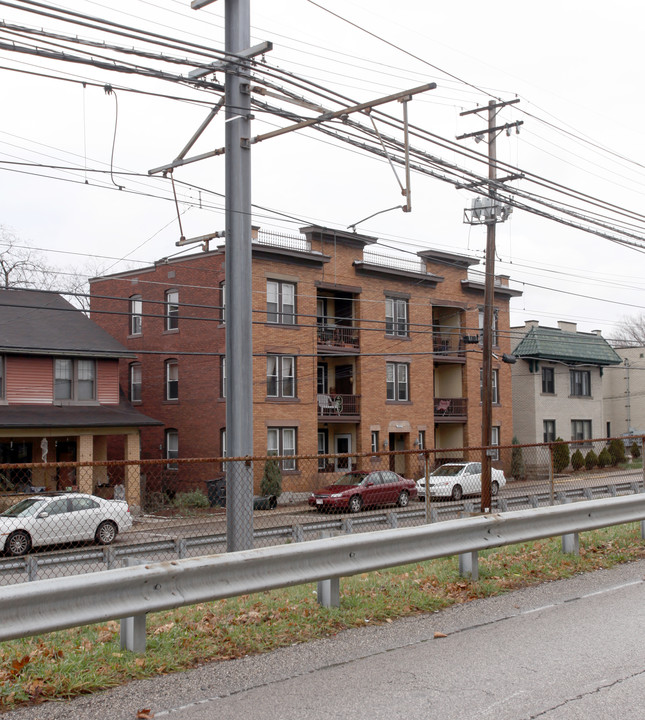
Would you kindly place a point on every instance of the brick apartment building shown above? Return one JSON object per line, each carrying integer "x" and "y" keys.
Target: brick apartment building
{"x": 354, "y": 351}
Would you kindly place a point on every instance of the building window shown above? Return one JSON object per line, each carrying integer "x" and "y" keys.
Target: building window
{"x": 135, "y": 382}
{"x": 222, "y": 375}
{"x": 282, "y": 441}
{"x": 1, "y": 377}
{"x": 396, "y": 317}
{"x": 172, "y": 380}
{"x": 172, "y": 448}
{"x": 494, "y": 441}
{"x": 422, "y": 439}
{"x": 581, "y": 429}
{"x": 397, "y": 381}
{"x": 281, "y": 302}
{"x": 222, "y": 442}
{"x": 494, "y": 333}
{"x": 323, "y": 449}
{"x": 172, "y": 309}
{"x": 74, "y": 379}
{"x": 494, "y": 388}
{"x": 222, "y": 302}
{"x": 136, "y": 314}
{"x": 281, "y": 376}
{"x": 322, "y": 384}
{"x": 375, "y": 445}
{"x": 548, "y": 381}
{"x": 549, "y": 430}
{"x": 580, "y": 383}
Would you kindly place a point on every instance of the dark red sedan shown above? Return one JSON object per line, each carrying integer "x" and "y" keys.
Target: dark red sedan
{"x": 358, "y": 489}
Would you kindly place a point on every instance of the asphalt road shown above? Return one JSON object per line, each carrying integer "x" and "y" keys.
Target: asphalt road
{"x": 566, "y": 650}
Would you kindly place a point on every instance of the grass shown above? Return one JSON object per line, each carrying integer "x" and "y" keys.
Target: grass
{"x": 79, "y": 661}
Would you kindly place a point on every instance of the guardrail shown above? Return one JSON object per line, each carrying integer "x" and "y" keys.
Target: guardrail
{"x": 59, "y": 603}
{"x": 113, "y": 556}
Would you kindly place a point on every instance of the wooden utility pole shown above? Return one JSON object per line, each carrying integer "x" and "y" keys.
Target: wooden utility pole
{"x": 492, "y": 214}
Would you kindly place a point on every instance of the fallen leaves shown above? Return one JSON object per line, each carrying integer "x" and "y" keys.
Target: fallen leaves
{"x": 439, "y": 635}
{"x": 145, "y": 714}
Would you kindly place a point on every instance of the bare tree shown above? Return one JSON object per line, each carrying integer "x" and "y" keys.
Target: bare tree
{"x": 22, "y": 265}
{"x": 630, "y": 332}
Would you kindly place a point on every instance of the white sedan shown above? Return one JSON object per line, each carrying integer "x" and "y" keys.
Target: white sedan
{"x": 454, "y": 480}
{"x": 61, "y": 518}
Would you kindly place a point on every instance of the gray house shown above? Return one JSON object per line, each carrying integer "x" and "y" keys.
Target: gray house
{"x": 558, "y": 384}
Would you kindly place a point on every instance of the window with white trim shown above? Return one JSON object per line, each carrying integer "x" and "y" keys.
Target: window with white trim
{"x": 172, "y": 309}
{"x": 375, "y": 445}
{"x": 172, "y": 380}
{"x": 396, "y": 317}
{"x": 136, "y": 315}
{"x": 281, "y": 376}
{"x": 494, "y": 440}
{"x": 548, "y": 380}
{"x": 494, "y": 387}
{"x": 135, "y": 382}
{"x": 397, "y": 384}
{"x": 494, "y": 333}
{"x": 172, "y": 448}
{"x": 281, "y": 302}
{"x": 548, "y": 427}
{"x": 222, "y": 375}
{"x": 282, "y": 441}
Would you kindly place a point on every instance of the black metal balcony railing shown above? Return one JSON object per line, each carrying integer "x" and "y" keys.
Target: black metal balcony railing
{"x": 338, "y": 336}
{"x": 448, "y": 344}
{"x": 334, "y": 405}
{"x": 450, "y": 407}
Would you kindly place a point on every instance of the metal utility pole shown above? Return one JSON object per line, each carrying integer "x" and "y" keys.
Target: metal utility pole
{"x": 490, "y": 214}
{"x": 239, "y": 348}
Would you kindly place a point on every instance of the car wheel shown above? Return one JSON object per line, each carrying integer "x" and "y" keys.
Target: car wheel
{"x": 355, "y": 504}
{"x": 494, "y": 488}
{"x": 18, "y": 543}
{"x": 404, "y": 498}
{"x": 105, "y": 533}
{"x": 457, "y": 492}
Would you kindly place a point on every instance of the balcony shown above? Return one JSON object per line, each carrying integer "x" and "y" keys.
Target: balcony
{"x": 337, "y": 338}
{"x": 448, "y": 346}
{"x": 450, "y": 410}
{"x": 338, "y": 408}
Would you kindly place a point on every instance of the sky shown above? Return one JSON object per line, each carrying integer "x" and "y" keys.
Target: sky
{"x": 576, "y": 71}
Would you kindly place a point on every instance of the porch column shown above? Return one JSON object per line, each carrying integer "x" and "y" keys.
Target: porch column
{"x": 132, "y": 472}
{"x": 85, "y": 475}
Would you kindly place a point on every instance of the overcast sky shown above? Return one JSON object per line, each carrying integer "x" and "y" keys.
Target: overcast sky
{"x": 576, "y": 68}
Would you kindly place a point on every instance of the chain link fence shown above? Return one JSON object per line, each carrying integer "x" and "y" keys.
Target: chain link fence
{"x": 69, "y": 518}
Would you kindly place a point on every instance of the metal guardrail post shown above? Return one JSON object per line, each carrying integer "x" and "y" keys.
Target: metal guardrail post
{"x": 347, "y": 526}
{"x": 469, "y": 565}
{"x": 133, "y": 629}
{"x": 328, "y": 590}
{"x": 392, "y": 520}
{"x": 570, "y": 541}
{"x": 297, "y": 533}
{"x": 534, "y": 501}
{"x": 181, "y": 548}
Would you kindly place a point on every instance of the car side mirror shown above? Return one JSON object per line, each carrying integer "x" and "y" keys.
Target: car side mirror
{"x": 43, "y": 515}
{"x": 369, "y": 484}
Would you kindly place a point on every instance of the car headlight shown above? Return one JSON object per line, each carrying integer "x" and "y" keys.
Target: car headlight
{"x": 336, "y": 495}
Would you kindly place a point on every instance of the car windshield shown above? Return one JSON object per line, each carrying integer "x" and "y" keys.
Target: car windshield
{"x": 353, "y": 478}
{"x": 25, "y": 508}
{"x": 448, "y": 470}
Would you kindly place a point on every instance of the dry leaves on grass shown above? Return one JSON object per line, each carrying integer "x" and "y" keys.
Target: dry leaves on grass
{"x": 145, "y": 714}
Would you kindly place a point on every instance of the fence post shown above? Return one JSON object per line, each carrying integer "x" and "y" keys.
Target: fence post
{"x": 328, "y": 590}
{"x": 426, "y": 457}
{"x": 133, "y": 629}
{"x": 551, "y": 475}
